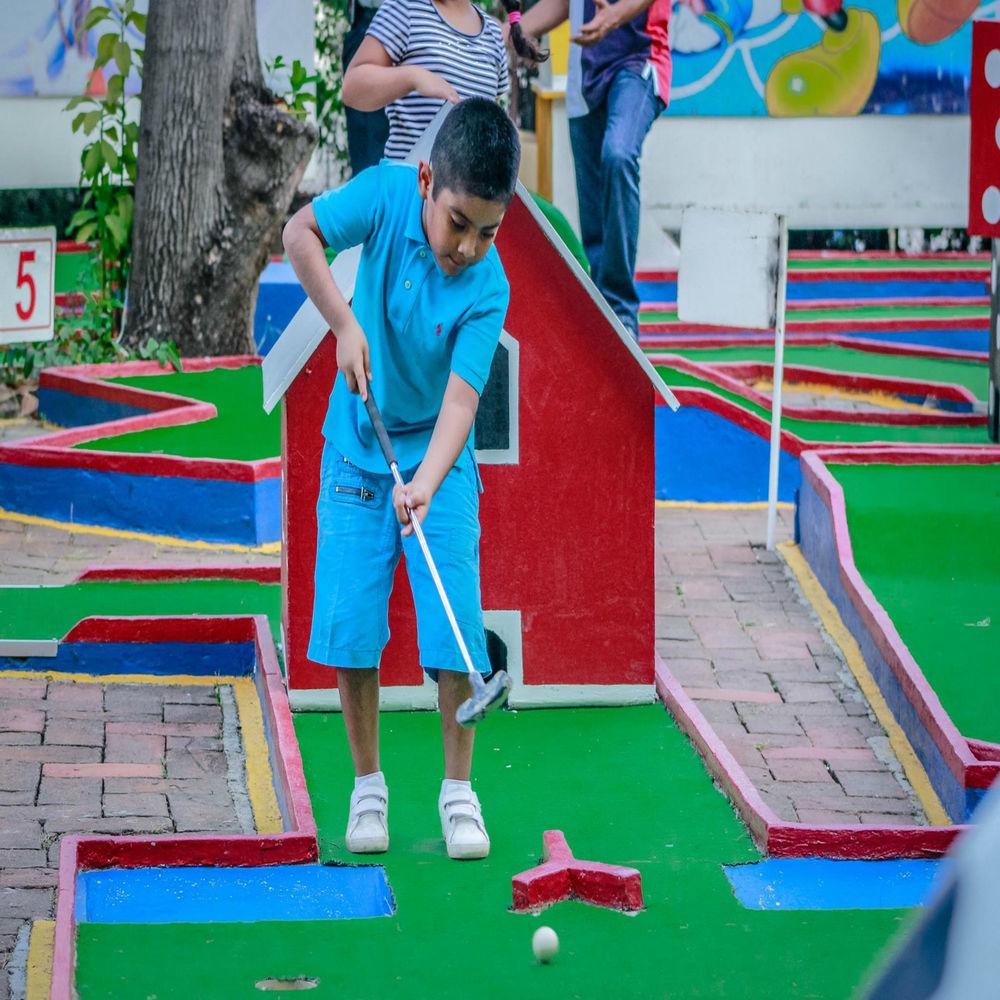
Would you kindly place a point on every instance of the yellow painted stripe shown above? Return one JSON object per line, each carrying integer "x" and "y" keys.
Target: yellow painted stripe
{"x": 61, "y": 675}
{"x": 260, "y": 780}
{"x": 698, "y": 505}
{"x": 834, "y": 624}
{"x": 269, "y": 548}
{"x": 40, "y": 948}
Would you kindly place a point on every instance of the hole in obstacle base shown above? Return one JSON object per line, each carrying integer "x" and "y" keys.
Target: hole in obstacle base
{"x": 298, "y": 983}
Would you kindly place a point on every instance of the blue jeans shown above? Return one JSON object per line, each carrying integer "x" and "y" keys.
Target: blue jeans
{"x": 607, "y": 144}
{"x": 367, "y": 131}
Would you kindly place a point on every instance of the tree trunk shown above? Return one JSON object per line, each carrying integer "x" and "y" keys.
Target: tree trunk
{"x": 219, "y": 162}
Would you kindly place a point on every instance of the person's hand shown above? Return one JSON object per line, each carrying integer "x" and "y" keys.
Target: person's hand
{"x": 415, "y": 497}
{"x": 353, "y": 359}
{"x": 604, "y": 21}
{"x": 429, "y": 84}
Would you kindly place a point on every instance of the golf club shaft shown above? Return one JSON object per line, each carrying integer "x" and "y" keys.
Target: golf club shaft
{"x": 390, "y": 456}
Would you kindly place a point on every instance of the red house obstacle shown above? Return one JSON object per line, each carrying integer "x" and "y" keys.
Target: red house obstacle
{"x": 566, "y": 451}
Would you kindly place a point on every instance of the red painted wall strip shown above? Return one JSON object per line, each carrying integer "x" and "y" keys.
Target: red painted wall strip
{"x": 151, "y": 574}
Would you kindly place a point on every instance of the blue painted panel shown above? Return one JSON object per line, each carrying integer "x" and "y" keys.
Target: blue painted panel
{"x": 206, "y": 659}
{"x": 816, "y": 533}
{"x": 278, "y": 299}
{"x": 703, "y": 457}
{"x": 821, "y": 884}
{"x": 206, "y": 895}
{"x": 208, "y": 509}
{"x": 955, "y": 340}
{"x": 66, "y": 409}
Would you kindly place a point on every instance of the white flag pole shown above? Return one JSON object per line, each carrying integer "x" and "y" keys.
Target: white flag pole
{"x": 779, "y": 365}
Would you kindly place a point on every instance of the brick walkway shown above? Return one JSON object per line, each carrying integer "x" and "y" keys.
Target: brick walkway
{"x": 747, "y": 648}
{"x": 111, "y": 759}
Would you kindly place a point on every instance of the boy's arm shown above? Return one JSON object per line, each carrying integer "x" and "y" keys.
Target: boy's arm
{"x": 372, "y": 80}
{"x": 607, "y": 17}
{"x": 305, "y": 245}
{"x": 451, "y": 431}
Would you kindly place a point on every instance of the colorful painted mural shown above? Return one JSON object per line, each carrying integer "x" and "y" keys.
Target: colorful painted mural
{"x": 788, "y": 58}
{"x": 44, "y": 51}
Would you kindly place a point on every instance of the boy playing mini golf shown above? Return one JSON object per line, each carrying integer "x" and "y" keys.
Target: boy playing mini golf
{"x": 429, "y": 304}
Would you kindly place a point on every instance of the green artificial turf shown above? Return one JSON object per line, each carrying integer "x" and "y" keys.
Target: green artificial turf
{"x": 834, "y": 431}
{"x": 884, "y": 264}
{"x": 241, "y": 431}
{"x": 848, "y": 314}
{"x": 624, "y": 785}
{"x": 933, "y": 562}
{"x": 50, "y": 612}
{"x": 973, "y": 375}
{"x": 74, "y": 273}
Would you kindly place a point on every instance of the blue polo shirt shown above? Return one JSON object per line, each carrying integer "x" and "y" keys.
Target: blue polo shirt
{"x": 421, "y": 324}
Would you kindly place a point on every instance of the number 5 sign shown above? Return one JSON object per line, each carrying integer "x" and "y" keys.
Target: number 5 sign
{"x": 27, "y": 284}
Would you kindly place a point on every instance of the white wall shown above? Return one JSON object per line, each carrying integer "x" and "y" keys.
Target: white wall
{"x": 39, "y": 148}
{"x": 873, "y": 171}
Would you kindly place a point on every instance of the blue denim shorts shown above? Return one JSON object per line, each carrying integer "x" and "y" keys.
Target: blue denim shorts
{"x": 357, "y": 548}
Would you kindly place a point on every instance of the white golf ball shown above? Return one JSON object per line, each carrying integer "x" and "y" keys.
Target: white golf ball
{"x": 545, "y": 944}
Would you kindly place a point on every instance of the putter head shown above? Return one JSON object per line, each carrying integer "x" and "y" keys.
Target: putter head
{"x": 486, "y": 695}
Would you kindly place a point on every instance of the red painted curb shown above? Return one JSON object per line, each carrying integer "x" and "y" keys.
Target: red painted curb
{"x": 151, "y": 574}
{"x": 648, "y": 331}
{"x": 727, "y": 375}
{"x": 57, "y": 450}
{"x": 827, "y": 340}
{"x": 298, "y": 845}
{"x": 777, "y": 837}
{"x": 563, "y": 877}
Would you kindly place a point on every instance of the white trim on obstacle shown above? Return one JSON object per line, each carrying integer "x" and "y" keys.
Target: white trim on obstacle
{"x": 22, "y": 648}
{"x": 511, "y": 455}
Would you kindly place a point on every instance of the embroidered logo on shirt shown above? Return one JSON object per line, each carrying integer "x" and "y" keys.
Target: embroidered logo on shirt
{"x": 437, "y": 332}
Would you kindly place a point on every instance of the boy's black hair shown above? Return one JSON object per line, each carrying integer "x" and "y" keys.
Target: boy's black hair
{"x": 477, "y": 152}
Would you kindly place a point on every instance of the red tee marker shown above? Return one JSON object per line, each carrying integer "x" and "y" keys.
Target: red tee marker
{"x": 562, "y": 876}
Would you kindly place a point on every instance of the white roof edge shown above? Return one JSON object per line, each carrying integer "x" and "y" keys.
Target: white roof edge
{"x": 599, "y": 300}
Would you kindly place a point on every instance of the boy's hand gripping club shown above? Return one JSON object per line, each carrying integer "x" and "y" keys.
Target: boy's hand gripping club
{"x": 485, "y": 694}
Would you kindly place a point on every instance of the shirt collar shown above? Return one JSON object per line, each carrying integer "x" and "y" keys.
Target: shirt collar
{"x": 414, "y": 227}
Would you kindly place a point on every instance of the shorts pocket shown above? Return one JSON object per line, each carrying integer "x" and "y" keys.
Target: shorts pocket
{"x": 343, "y": 482}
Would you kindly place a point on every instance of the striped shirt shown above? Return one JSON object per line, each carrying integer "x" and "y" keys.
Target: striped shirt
{"x": 414, "y": 33}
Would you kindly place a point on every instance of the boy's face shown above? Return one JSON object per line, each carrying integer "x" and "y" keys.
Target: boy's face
{"x": 460, "y": 228}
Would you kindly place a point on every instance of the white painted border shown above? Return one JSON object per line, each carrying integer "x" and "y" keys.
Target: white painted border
{"x": 20, "y": 648}
{"x": 510, "y": 455}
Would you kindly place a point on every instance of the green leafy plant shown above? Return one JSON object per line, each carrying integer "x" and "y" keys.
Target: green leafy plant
{"x": 331, "y": 25}
{"x": 108, "y": 161}
{"x": 297, "y": 97}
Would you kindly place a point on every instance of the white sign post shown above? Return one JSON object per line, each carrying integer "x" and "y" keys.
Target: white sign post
{"x": 733, "y": 272}
{"x": 27, "y": 284}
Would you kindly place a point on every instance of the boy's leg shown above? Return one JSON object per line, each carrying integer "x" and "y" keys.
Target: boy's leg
{"x": 359, "y": 703}
{"x": 632, "y": 108}
{"x": 453, "y": 689}
{"x": 356, "y": 554}
{"x": 452, "y": 530}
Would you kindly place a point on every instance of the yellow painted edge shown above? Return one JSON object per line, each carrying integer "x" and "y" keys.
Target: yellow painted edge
{"x": 269, "y": 548}
{"x": 169, "y": 679}
{"x": 41, "y": 945}
{"x": 260, "y": 779}
{"x": 834, "y": 624}
{"x": 698, "y": 505}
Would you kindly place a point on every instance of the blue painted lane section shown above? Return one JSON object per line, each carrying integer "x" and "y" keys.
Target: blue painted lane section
{"x": 243, "y": 895}
{"x": 820, "y": 884}
{"x": 951, "y": 339}
{"x": 703, "y": 457}
{"x": 213, "y": 510}
{"x": 278, "y": 300}
{"x": 202, "y": 659}
{"x": 67, "y": 409}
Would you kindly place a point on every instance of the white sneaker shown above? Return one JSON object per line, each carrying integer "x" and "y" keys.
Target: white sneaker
{"x": 462, "y": 822}
{"x": 368, "y": 823}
